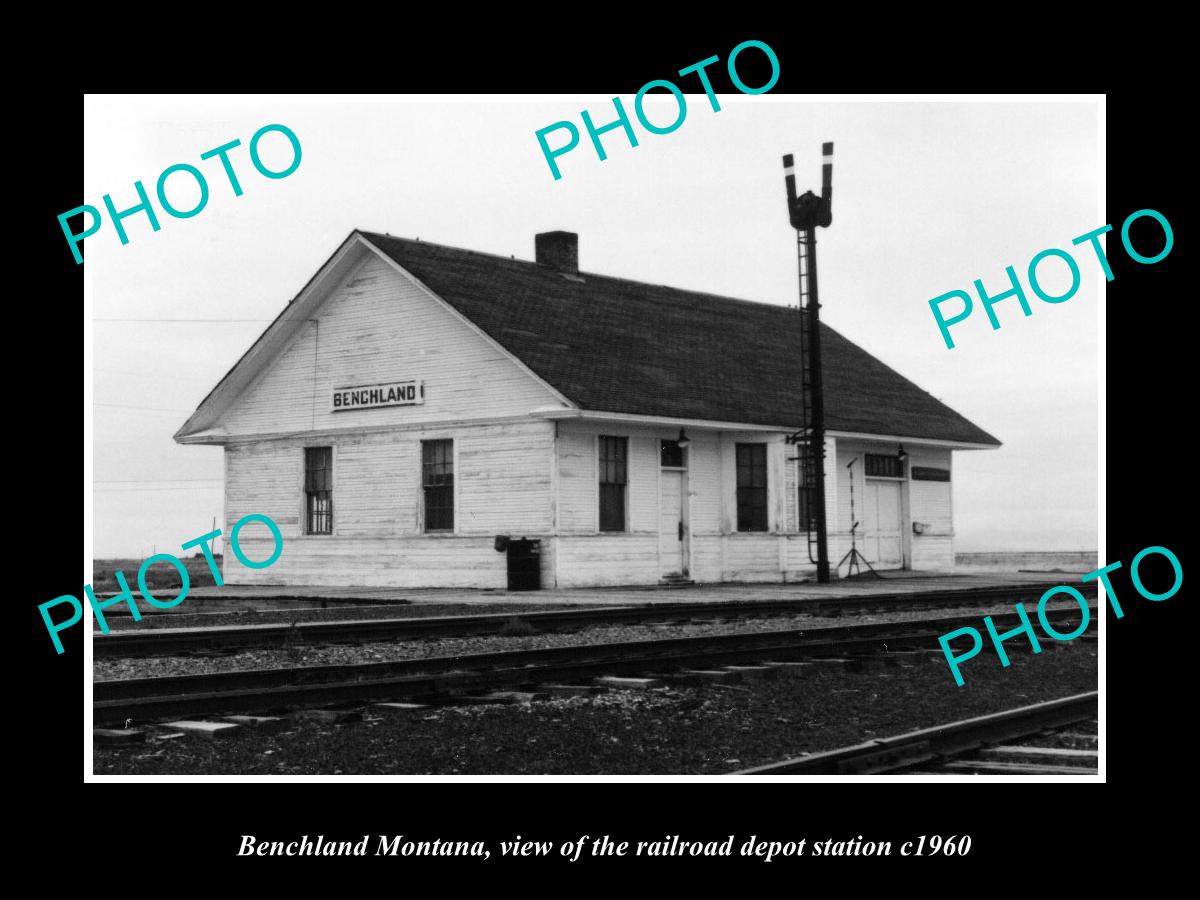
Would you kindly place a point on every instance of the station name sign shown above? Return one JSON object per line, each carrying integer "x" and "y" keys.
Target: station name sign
{"x": 373, "y": 396}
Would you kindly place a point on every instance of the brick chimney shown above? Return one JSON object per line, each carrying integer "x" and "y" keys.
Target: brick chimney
{"x": 558, "y": 249}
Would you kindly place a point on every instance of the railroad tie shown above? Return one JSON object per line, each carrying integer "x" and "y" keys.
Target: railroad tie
{"x": 199, "y": 728}
{"x": 263, "y": 724}
{"x": 398, "y": 707}
{"x": 637, "y": 684}
{"x": 118, "y": 737}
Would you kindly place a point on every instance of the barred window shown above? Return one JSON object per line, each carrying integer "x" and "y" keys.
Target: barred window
{"x": 613, "y": 478}
{"x": 880, "y": 465}
{"x": 318, "y": 490}
{"x": 437, "y": 478}
{"x": 804, "y": 508}
{"x": 751, "y": 487}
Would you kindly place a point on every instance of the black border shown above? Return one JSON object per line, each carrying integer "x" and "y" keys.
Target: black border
{"x": 1148, "y": 398}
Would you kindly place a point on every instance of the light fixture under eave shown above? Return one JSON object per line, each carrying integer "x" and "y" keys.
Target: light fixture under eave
{"x": 902, "y": 454}
{"x": 683, "y": 440}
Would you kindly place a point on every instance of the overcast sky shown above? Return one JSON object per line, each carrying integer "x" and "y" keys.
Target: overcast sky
{"x": 929, "y": 197}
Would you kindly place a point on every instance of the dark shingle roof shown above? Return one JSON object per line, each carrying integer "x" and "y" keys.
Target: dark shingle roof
{"x": 614, "y": 345}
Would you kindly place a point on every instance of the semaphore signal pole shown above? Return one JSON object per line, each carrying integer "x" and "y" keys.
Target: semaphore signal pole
{"x": 808, "y": 212}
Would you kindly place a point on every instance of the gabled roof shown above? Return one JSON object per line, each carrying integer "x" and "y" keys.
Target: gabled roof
{"x": 612, "y": 345}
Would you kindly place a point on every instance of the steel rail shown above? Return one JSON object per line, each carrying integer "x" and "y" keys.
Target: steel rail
{"x": 134, "y": 641}
{"x": 264, "y": 689}
{"x": 937, "y": 744}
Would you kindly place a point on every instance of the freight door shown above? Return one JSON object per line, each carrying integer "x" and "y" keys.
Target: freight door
{"x": 670, "y": 524}
{"x": 882, "y": 533}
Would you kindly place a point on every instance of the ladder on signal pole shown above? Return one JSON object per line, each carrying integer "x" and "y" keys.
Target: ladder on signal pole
{"x": 807, "y": 212}
{"x": 809, "y": 456}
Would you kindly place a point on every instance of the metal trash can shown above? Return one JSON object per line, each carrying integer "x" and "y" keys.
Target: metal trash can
{"x": 524, "y": 565}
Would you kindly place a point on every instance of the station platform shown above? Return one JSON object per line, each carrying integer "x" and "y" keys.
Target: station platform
{"x": 892, "y": 582}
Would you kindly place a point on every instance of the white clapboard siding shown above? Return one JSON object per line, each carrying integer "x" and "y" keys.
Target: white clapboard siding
{"x": 578, "y": 484}
{"x": 376, "y": 327}
{"x": 376, "y": 485}
{"x": 707, "y": 558}
{"x": 504, "y": 477}
{"x": 264, "y": 478}
{"x": 796, "y": 564}
{"x": 930, "y": 500}
{"x": 607, "y": 559}
{"x": 752, "y": 557}
{"x": 393, "y": 562}
{"x": 933, "y": 553}
{"x": 642, "y": 494}
{"x": 502, "y": 483}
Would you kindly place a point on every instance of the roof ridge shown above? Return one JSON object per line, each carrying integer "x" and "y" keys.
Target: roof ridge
{"x": 539, "y": 267}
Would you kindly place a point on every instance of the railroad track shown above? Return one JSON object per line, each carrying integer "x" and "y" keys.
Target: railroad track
{"x": 133, "y": 641}
{"x": 983, "y": 746}
{"x": 264, "y": 690}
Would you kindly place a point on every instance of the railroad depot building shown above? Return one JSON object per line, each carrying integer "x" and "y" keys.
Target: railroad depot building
{"x": 414, "y": 401}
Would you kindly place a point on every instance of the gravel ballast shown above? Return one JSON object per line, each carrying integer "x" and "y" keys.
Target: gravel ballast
{"x": 302, "y": 654}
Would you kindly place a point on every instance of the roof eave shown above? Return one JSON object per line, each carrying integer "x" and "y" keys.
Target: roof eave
{"x": 937, "y": 442}
{"x": 265, "y": 347}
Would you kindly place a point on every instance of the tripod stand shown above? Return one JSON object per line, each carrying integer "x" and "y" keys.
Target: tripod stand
{"x": 856, "y": 559}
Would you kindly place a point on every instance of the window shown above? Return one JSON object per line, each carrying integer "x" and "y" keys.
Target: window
{"x": 437, "y": 478}
{"x": 613, "y": 453}
{"x": 880, "y": 465}
{"x": 318, "y": 490}
{"x": 671, "y": 455}
{"x": 751, "y": 487}
{"x": 804, "y": 510}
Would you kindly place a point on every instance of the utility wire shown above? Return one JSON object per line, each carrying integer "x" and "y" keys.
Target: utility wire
{"x": 152, "y": 490}
{"x": 154, "y": 480}
{"x": 142, "y": 408}
{"x": 188, "y": 321}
